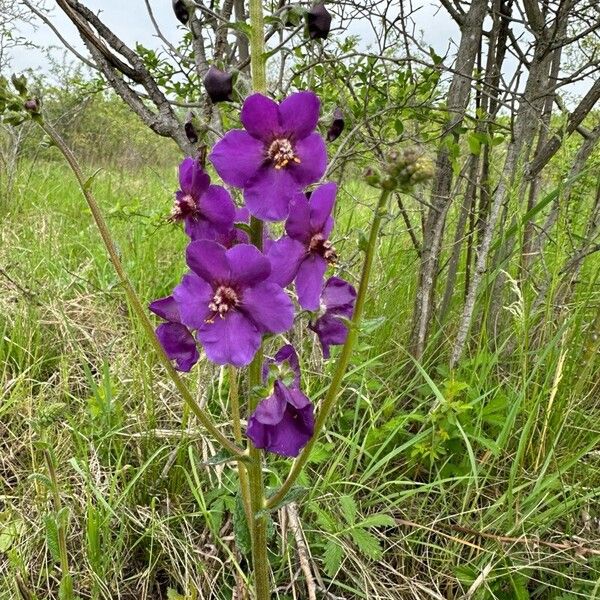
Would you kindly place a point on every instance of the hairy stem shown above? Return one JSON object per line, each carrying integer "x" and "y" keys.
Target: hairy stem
{"x": 344, "y": 359}
{"x": 135, "y": 302}
{"x": 258, "y": 521}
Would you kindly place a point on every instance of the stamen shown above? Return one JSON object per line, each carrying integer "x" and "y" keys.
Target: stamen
{"x": 281, "y": 153}
{"x": 225, "y": 299}
{"x": 324, "y": 247}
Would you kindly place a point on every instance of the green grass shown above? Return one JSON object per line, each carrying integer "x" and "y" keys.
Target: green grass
{"x": 475, "y": 484}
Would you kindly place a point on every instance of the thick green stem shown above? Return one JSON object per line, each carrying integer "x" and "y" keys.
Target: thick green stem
{"x": 258, "y": 522}
{"x": 134, "y": 301}
{"x": 257, "y": 47}
{"x": 344, "y": 359}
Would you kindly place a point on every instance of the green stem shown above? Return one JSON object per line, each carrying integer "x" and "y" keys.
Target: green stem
{"x": 258, "y": 521}
{"x": 138, "y": 309}
{"x": 234, "y": 402}
{"x": 344, "y": 359}
{"x": 257, "y": 47}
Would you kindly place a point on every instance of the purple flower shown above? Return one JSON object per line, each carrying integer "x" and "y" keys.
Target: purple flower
{"x": 228, "y": 299}
{"x": 282, "y": 423}
{"x": 276, "y": 156}
{"x": 206, "y": 209}
{"x": 175, "y": 338}
{"x": 337, "y": 300}
{"x": 305, "y": 252}
{"x": 286, "y": 356}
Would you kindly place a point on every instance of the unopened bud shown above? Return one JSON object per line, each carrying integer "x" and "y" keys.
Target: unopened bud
{"x": 20, "y": 83}
{"x": 337, "y": 125}
{"x": 372, "y": 177}
{"x": 181, "y": 11}
{"x": 318, "y": 21}
{"x": 218, "y": 85}
{"x": 190, "y": 130}
{"x": 32, "y": 105}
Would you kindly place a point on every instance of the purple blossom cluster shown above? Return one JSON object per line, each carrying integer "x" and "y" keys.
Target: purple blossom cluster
{"x": 234, "y": 293}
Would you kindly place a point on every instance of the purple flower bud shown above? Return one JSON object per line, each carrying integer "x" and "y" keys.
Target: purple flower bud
{"x": 337, "y": 126}
{"x": 181, "y": 11}
{"x": 190, "y": 130}
{"x": 218, "y": 85}
{"x": 32, "y": 105}
{"x": 318, "y": 21}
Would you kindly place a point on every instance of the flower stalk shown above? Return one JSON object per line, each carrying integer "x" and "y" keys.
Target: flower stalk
{"x": 258, "y": 521}
{"x": 344, "y": 359}
{"x": 132, "y": 296}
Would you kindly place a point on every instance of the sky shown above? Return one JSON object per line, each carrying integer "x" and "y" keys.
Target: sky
{"x": 130, "y": 21}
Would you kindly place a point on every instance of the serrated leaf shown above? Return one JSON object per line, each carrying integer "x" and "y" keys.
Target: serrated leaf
{"x": 367, "y": 543}
{"x": 296, "y": 493}
{"x": 242, "y": 27}
{"x": 349, "y": 509}
{"x": 241, "y": 530}
{"x": 52, "y": 537}
{"x": 332, "y": 557}
{"x": 326, "y": 521}
{"x": 379, "y": 520}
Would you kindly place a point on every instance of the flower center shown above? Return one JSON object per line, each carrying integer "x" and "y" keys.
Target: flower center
{"x": 323, "y": 247}
{"x": 281, "y": 152}
{"x": 225, "y": 299}
{"x": 184, "y": 207}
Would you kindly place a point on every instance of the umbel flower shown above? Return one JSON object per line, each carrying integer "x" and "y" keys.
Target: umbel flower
{"x": 337, "y": 303}
{"x": 305, "y": 252}
{"x": 283, "y": 422}
{"x": 277, "y": 155}
{"x": 205, "y": 209}
{"x": 229, "y": 301}
{"x": 175, "y": 338}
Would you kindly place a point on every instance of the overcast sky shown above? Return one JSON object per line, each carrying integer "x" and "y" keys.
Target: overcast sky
{"x": 130, "y": 21}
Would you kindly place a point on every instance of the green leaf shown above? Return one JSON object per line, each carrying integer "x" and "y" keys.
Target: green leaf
{"x": 332, "y": 557}
{"x": 242, "y": 27}
{"x": 474, "y": 144}
{"x": 367, "y": 543}
{"x": 88, "y": 182}
{"x": 296, "y": 493}
{"x": 399, "y": 126}
{"x": 378, "y": 520}
{"x": 349, "y": 509}
{"x": 241, "y": 530}
{"x": 52, "y": 537}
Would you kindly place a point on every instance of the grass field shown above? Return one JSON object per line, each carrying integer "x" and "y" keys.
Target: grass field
{"x": 478, "y": 484}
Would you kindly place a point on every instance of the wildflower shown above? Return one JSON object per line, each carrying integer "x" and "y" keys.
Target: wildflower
{"x": 337, "y": 303}
{"x": 205, "y": 209}
{"x": 337, "y": 125}
{"x": 229, "y": 301}
{"x": 283, "y": 422}
{"x": 175, "y": 338}
{"x": 305, "y": 253}
{"x": 218, "y": 85}
{"x": 277, "y": 155}
{"x": 318, "y": 21}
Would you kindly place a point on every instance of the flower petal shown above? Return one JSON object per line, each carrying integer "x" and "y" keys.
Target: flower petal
{"x": 179, "y": 345}
{"x": 236, "y": 157}
{"x": 193, "y": 296}
{"x": 297, "y": 225}
{"x": 232, "y": 340}
{"x": 321, "y": 204}
{"x": 271, "y": 410}
{"x": 299, "y": 114}
{"x": 338, "y": 294}
{"x": 166, "y": 308}
{"x": 285, "y": 255}
{"x": 269, "y": 192}
{"x": 260, "y": 117}
{"x": 313, "y": 160}
{"x": 309, "y": 281}
{"x": 208, "y": 260}
{"x": 287, "y": 354}
{"x": 269, "y": 307}
{"x": 331, "y": 331}
{"x": 199, "y": 229}
{"x": 247, "y": 264}
{"x": 216, "y": 206}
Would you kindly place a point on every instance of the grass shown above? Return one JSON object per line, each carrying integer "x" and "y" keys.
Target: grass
{"x": 477, "y": 484}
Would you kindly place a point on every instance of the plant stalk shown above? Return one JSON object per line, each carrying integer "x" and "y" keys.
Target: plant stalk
{"x": 344, "y": 359}
{"x": 135, "y": 302}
